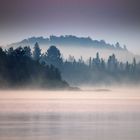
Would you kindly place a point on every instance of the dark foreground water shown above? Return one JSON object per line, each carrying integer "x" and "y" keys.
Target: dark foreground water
{"x": 70, "y": 115}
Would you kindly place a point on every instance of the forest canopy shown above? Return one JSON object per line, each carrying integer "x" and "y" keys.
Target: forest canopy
{"x": 22, "y": 67}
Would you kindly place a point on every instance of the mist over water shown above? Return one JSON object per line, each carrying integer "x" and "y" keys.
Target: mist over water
{"x": 98, "y": 113}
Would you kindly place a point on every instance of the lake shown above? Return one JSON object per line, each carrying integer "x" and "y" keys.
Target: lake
{"x": 70, "y": 115}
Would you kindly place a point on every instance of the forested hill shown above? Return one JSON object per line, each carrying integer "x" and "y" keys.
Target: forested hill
{"x": 19, "y": 68}
{"x": 69, "y": 40}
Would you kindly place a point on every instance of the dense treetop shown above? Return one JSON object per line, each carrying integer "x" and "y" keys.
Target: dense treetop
{"x": 22, "y": 67}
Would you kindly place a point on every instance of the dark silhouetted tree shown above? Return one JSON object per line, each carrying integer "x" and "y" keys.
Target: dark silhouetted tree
{"x": 112, "y": 63}
{"x": 27, "y": 51}
{"x": 53, "y": 57}
{"x": 96, "y": 62}
{"x": 36, "y": 52}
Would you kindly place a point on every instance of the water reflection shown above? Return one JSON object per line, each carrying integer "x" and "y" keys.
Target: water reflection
{"x": 52, "y": 118}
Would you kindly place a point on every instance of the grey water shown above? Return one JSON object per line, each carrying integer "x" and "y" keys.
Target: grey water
{"x": 69, "y": 115}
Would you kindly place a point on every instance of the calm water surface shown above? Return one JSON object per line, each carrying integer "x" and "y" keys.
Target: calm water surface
{"x": 88, "y": 115}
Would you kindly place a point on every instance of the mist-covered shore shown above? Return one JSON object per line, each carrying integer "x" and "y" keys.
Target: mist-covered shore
{"x": 25, "y": 68}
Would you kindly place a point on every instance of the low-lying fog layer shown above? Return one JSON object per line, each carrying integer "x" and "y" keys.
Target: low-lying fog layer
{"x": 87, "y": 52}
{"x": 99, "y": 113}
{"x": 69, "y": 100}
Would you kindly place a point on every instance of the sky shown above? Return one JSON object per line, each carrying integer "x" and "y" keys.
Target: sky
{"x": 111, "y": 20}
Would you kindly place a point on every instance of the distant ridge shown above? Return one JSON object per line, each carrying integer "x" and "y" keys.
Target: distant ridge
{"x": 69, "y": 40}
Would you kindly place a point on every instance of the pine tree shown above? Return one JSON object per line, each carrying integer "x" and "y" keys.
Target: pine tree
{"x": 36, "y": 52}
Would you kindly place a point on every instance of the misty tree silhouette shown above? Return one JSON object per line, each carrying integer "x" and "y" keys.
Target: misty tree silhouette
{"x": 36, "y": 52}
{"x": 53, "y": 56}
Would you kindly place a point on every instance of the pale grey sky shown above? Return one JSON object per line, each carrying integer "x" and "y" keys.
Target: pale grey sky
{"x": 111, "y": 20}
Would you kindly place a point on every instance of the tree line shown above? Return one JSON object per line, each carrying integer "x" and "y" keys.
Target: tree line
{"x": 22, "y": 66}
{"x": 95, "y": 70}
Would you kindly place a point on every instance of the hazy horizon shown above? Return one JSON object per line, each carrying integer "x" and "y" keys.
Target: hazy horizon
{"x": 132, "y": 50}
{"x": 111, "y": 20}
